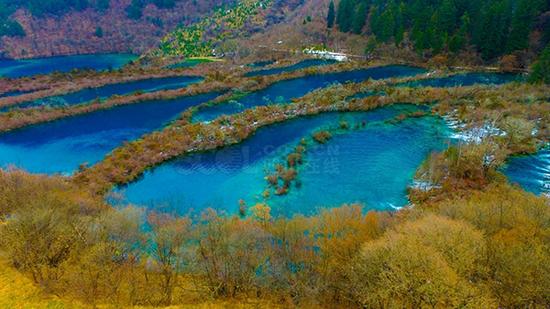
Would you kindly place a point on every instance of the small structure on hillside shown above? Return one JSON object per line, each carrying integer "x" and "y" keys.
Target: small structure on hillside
{"x": 325, "y": 54}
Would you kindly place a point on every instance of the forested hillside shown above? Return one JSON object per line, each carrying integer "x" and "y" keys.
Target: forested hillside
{"x": 491, "y": 28}
{"x": 488, "y": 29}
{"x": 45, "y": 28}
{"x": 226, "y": 31}
{"x": 510, "y": 32}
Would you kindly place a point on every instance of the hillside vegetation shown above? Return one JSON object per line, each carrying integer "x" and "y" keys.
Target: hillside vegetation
{"x": 512, "y": 32}
{"x": 47, "y": 28}
{"x": 486, "y": 250}
{"x": 197, "y": 40}
{"x": 12, "y": 27}
{"x": 490, "y": 28}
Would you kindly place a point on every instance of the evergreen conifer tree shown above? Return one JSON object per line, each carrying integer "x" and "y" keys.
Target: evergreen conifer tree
{"x": 331, "y": 15}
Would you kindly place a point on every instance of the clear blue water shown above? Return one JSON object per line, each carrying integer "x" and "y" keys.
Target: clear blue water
{"x": 61, "y": 146}
{"x": 467, "y": 79}
{"x": 372, "y": 165}
{"x": 531, "y": 172}
{"x": 13, "y": 93}
{"x": 297, "y": 66}
{"x": 103, "y": 92}
{"x": 284, "y": 91}
{"x": 30, "y": 67}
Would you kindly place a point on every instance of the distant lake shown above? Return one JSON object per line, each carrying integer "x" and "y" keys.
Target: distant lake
{"x": 61, "y": 146}
{"x": 13, "y": 93}
{"x": 294, "y": 67}
{"x": 36, "y": 66}
{"x": 104, "y": 92}
{"x": 284, "y": 91}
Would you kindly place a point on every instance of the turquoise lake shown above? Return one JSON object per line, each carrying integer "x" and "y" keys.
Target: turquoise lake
{"x": 531, "y": 172}
{"x": 371, "y": 165}
{"x": 61, "y": 146}
{"x": 103, "y": 92}
{"x": 304, "y": 64}
{"x": 29, "y": 67}
{"x": 284, "y": 91}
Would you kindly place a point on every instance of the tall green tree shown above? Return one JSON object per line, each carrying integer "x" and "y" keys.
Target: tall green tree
{"x": 399, "y": 30}
{"x": 343, "y": 17}
{"x": 459, "y": 39}
{"x": 522, "y": 23}
{"x": 448, "y": 16}
{"x": 359, "y": 18}
{"x": 546, "y": 34}
{"x": 164, "y": 4}
{"x": 493, "y": 29}
{"x": 383, "y": 24}
{"x": 102, "y": 5}
{"x": 134, "y": 10}
{"x": 331, "y": 15}
{"x": 11, "y": 28}
{"x": 421, "y": 31}
{"x": 541, "y": 68}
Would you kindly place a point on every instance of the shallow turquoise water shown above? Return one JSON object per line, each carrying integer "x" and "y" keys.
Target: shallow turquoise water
{"x": 531, "y": 172}
{"x": 30, "y": 67}
{"x": 61, "y": 146}
{"x": 308, "y": 63}
{"x": 372, "y": 165}
{"x": 103, "y": 92}
{"x": 284, "y": 91}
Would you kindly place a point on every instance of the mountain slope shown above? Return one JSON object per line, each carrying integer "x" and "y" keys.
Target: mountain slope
{"x": 250, "y": 26}
{"x": 94, "y": 31}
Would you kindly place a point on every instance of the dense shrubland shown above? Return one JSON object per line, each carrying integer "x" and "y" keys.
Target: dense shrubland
{"x": 487, "y": 249}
